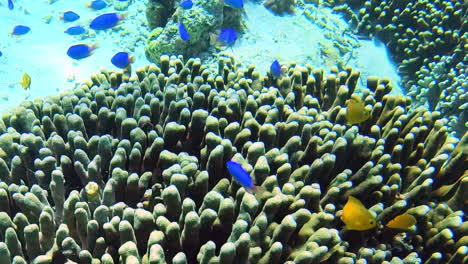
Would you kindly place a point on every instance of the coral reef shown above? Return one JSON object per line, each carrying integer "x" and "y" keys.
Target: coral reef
{"x": 158, "y": 12}
{"x": 280, "y": 7}
{"x": 204, "y": 18}
{"x": 121, "y": 5}
{"x": 131, "y": 169}
{"x": 429, "y": 41}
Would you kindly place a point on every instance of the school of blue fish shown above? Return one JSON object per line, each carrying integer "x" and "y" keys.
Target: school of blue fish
{"x": 226, "y": 36}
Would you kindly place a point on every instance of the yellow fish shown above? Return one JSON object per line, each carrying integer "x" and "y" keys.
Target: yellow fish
{"x": 356, "y": 111}
{"x": 25, "y": 81}
{"x": 403, "y": 221}
{"x": 356, "y": 216}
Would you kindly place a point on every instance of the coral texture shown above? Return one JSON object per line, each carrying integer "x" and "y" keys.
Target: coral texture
{"x": 206, "y": 17}
{"x": 429, "y": 40}
{"x": 280, "y": 7}
{"x": 132, "y": 170}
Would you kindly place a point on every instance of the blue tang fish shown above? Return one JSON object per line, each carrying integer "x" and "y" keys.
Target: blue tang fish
{"x": 105, "y": 21}
{"x": 11, "y": 6}
{"x": 186, "y": 4}
{"x": 20, "y": 30}
{"x": 240, "y": 175}
{"x": 184, "y": 35}
{"x": 70, "y": 16}
{"x": 80, "y": 51}
{"x": 235, "y": 3}
{"x": 227, "y": 36}
{"x": 97, "y": 4}
{"x": 75, "y": 30}
{"x": 121, "y": 60}
{"x": 275, "y": 69}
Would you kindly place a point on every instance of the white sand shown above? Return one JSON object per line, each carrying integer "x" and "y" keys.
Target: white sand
{"x": 42, "y": 52}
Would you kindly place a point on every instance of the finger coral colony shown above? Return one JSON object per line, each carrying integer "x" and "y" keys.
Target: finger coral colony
{"x": 132, "y": 169}
{"x": 186, "y": 162}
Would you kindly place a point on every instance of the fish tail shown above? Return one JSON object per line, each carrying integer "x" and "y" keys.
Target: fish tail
{"x": 258, "y": 191}
{"x": 122, "y": 16}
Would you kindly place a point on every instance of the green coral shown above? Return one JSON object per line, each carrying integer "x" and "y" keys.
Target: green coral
{"x": 131, "y": 169}
{"x": 429, "y": 41}
{"x": 200, "y": 21}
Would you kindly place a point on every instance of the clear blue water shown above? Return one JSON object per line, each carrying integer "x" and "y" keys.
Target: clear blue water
{"x": 41, "y": 53}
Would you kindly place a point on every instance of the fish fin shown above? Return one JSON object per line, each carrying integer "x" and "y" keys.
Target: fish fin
{"x": 258, "y": 191}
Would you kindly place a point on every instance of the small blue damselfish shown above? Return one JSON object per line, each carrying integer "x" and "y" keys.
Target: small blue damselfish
{"x": 227, "y": 36}
{"x": 70, "y": 16}
{"x": 186, "y": 4}
{"x": 75, "y": 30}
{"x": 105, "y": 21}
{"x": 121, "y": 60}
{"x": 184, "y": 35}
{"x": 97, "y": 4}
{"x": 275, "y": 69}
{"x": 20, "y": 30}
{"x": 240, "y": 175}
{"x": 80, "y": 51}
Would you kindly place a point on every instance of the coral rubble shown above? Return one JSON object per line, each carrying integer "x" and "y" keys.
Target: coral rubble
{"x": 131, "y": 169}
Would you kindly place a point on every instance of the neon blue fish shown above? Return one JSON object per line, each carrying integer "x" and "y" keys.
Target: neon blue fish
{"x": 97, "y": 4}
{"x": 227, "y": 36}
{"x": 121, "y": 60}
{"x": 235, "y": 3}
{"x": 186, "y": 4}
{"x": 80, "y": 51}
{"x": 11, "y": 6}
{"x": 105, "y": 21}
{"x": 70, "y": 16}
{"x": 240, "y": 175}
{"x": 275, "y": 69}
{"x": 184, "y": 35}
{"x": 20, "y": 30}
{"x": 75, "y": 30}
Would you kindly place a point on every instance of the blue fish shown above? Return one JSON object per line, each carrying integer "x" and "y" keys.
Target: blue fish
{"x": 1, "y": 54}
{"x": 227, "y": 36}
{"x": 20, "y": 30}
{"x": 75, "y": 30}
{"x": 97, "y": 4}
{"x": 121, "y": 60}
{"x": 184, "y": 35}
{"x": 186, "y": 4}
{"x": 70, "y": 16}
{"x": 240, "y": 175}
{"x": 105, "y": 21}
{"x": 80, "y": 51}
{"x": 11, "y": 6}
{"x": 235, "y": 3}
{"x": 275, "y": 69}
